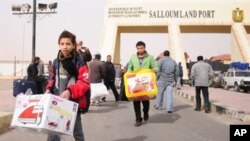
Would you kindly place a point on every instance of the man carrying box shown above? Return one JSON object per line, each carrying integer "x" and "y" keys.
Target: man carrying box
{"x": 70, "y": 79}
{"x": 141, "y": 60}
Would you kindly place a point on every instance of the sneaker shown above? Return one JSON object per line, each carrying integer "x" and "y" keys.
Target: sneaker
{"x": 138, "y": 123}
{"x": 157, "y": 108}
{"x": 146, "y": 116}
{"x": 169, "y": 111}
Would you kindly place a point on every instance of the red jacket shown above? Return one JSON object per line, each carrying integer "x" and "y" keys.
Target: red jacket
{"x": 79, "y": 88}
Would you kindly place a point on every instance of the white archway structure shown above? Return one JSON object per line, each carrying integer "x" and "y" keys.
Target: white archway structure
{"x": 176, "y": 17}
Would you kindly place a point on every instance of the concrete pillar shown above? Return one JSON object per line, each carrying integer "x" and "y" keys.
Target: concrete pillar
{"x": 109, "y": 40}
{"x": 240, "y": 44}
{"x": 176, "y": 49}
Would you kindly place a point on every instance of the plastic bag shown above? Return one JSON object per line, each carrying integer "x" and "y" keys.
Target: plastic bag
{"x": 98, "y": 90}
{"x": 29, "y": 92}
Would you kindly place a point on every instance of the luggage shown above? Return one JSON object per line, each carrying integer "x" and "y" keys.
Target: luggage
{"x": 239, "y": 65}
{"x": 22, "y": 85}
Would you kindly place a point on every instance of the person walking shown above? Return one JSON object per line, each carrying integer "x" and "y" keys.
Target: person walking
{"x": 33, "y": 75}
{"x": 180, "y": 77}
{"x": 118, "y": 75}
{"x": 166, "y": 80}
{"x": 200, "y": 73}
{"x": 109, "y": 79}
{"x": 141, "y": 60}
{"x": 70, "y": 80}
{"x": 123, "y": 96}
{"x": 97, "y": 73}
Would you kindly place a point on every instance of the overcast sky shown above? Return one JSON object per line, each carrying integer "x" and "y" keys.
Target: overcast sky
{"x": 85, "y": 18}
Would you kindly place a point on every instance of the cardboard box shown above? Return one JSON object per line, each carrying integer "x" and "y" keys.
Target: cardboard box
{"x": 47, "y": 113}
{"x": 140, "y": 85}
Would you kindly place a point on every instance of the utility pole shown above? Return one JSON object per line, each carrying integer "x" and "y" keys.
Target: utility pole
{"x": 34, "y": 31}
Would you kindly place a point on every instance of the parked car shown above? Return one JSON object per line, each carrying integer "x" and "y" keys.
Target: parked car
{"x": 238, "y": 79}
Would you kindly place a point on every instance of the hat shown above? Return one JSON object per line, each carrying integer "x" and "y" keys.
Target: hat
{"x": 98, "y": 52}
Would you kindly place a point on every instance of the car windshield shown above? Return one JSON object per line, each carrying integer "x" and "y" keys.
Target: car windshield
{"x": 242, "y": 74}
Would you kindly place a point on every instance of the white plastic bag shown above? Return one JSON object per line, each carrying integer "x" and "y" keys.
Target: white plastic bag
{"x": 98, "y": 90}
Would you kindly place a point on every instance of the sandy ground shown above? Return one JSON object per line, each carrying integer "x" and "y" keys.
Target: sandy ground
{"x": 6, "y": 83}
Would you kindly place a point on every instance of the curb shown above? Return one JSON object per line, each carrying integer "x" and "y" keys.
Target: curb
{"x": 219, "y": 108}
{"x": 5, "y": 120}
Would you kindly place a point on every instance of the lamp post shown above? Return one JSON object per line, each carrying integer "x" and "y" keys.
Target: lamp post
{"x": 34, "y": 31}
{"x": 24, "y": 9}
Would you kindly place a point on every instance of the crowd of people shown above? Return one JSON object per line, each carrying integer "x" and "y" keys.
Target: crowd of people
{"x": 73, "y": 71}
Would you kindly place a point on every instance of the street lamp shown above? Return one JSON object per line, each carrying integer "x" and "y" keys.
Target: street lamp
{"x": 52, "y": 6}
{"x": 18, "y": 9}
{"x": 26, "y": 7}
{"x": 42, "y": 6}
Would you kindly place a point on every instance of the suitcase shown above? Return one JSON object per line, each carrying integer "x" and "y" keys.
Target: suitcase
{"x": 22, "y": 85}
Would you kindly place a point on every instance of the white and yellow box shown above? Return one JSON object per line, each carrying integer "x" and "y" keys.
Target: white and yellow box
{"x": 140, "y": 85}
{"x": 47, "y": 113}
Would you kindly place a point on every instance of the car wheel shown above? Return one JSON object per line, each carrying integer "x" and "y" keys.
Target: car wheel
{"x": 245, "y": 90}
{"x": 225, "y": 86}
{"x": 236, "y": 87}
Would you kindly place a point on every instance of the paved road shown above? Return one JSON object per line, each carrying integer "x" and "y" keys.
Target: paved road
{"x": 6, "y": 83}
{"x": 114, "y": 122}
{"x": 238, "y": 100}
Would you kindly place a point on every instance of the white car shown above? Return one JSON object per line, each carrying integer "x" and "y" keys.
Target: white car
{"x": 238, "y": 79}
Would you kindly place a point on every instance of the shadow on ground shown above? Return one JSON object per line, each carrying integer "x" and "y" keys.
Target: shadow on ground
{"x": 164, "y": 118}
{"x": 180, "y": 107}
{"x": 106, "y": 107}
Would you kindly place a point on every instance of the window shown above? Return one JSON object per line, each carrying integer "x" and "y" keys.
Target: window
{"x": 242, "y": 74}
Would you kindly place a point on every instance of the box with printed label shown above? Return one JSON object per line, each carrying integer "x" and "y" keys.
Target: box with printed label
{"x": 47, "y": 113}
{"x": 140, "y": 85}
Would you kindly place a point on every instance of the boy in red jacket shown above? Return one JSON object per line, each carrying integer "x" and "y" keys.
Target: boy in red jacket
{"x": 70, "y": 79}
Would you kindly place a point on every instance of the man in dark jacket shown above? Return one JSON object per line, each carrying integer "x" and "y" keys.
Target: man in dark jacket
{"x": 109, "y": 80}
{"x": 32, "y": 69}
{"x": 32, "y": 72}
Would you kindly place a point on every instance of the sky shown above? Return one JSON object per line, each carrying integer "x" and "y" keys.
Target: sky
{"x": 85, "y": 18}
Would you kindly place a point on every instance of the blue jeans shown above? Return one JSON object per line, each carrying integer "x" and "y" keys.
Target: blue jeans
{"x": 78, "y": 132}
{"x": 165, "y": 88}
